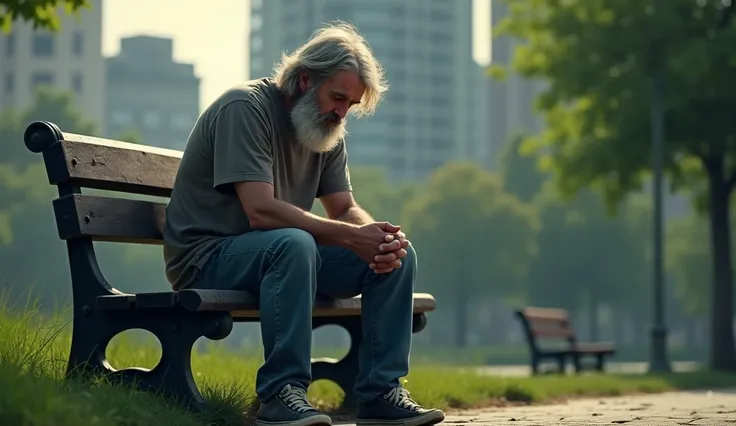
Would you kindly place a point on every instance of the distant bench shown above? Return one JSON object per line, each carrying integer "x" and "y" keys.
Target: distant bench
{"x": 177, "y": 319}
{"x": 544, "y": 326}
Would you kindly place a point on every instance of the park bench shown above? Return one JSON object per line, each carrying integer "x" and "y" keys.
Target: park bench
{"x": 177, "y": 319}
{"x": 550, "y": 335}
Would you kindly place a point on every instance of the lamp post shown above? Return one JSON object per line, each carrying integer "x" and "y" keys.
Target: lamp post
{"x": 658, "y": 357}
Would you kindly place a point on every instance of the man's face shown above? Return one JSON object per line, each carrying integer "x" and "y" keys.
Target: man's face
{"x": 319, "y": 114}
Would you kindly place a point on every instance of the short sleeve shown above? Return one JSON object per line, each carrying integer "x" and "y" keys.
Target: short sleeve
{"x": 242, "y": 145}
{"x": 335, "y": 175}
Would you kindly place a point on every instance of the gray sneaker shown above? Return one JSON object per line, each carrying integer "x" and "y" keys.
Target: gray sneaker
{"x": 396, "y": 407}
{"x": 290, "y": 407}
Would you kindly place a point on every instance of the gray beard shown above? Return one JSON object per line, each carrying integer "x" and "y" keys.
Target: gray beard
{"x": 312, "y": 128}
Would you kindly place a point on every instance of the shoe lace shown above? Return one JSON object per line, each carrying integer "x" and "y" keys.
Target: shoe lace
{"x": 401, "y": 398}
{"x": 296, "y": 399}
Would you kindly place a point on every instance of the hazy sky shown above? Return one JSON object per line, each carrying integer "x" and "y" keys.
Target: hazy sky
{"x": 213, "y": 34}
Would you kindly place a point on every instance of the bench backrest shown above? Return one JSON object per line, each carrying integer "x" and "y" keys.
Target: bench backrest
{"x": 550, "y": 325}
{"x": 75, "y": 161}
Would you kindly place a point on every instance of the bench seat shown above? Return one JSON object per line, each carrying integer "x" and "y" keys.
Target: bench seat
{"x": 240, "y": 304}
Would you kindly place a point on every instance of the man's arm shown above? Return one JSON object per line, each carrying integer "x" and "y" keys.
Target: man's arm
{"x": 266, "y": 212}
{"x": 342, "y": 206}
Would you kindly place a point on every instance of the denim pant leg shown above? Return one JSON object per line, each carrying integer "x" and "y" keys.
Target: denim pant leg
{"x": 387, "y": 305}
{"x": 281, "y": 267}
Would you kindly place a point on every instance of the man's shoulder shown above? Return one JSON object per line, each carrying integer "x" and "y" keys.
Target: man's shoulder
{"x": 261, "y": 92}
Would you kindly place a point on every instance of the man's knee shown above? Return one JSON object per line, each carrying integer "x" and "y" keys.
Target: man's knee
{"x": 410, "y": 261}
{"x": 293, "y": 240}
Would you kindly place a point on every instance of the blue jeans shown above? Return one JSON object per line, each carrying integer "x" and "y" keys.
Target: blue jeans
{"x": 287, "y": 269}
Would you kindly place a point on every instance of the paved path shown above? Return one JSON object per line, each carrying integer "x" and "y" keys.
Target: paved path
{"x": 695, "y": 408}
{"x": 681, "y": 408}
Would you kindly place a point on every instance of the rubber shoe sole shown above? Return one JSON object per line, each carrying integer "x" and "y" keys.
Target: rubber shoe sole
{"x": 318, "y": 420}
{"x": 427, "y": 419}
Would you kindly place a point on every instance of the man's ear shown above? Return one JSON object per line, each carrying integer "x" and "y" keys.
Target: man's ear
{"x": 303, "y": 81}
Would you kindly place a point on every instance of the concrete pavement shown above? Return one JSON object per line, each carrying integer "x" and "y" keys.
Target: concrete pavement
{"x": 678, "y": 408}
{"x": 714, "y": 408}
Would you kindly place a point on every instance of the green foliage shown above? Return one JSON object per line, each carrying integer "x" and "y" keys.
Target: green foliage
{"x": 131, "y": 136}
{"x": 40, "y": 13}
{"x": 596, "y": 57}
{"x": 599, "y": 59}
{"x": 520, "y": 170}
{"x": 587, "y": 258}
{"x": 474, "y": 241}
{"x": 470, "y": 232}
{"x": 24, "y": 190}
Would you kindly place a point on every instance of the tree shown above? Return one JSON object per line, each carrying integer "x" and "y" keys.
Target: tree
{"x": 40, "y": 13}
{"x": 473, "y": 239}
{"x": 587, "y": 258}
{"x": 688, "y": 259}
{"x": 520, "y": 171}
{"x": 28, "y": 237}
{"x": 131, "y": 136}
{"x": 598, "y": 59}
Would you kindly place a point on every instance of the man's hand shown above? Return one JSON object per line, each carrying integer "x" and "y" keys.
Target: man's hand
{"x": 393, "y": 249}
{"x": 369, "y": 240}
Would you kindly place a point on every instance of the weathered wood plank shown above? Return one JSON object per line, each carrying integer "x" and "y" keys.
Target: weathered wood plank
{"x": 241, "y": 304}
{"x": 112, "y": 165}
{"x": 110, "y": 219}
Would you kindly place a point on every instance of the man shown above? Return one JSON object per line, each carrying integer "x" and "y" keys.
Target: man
{"x": 239, "y": 218}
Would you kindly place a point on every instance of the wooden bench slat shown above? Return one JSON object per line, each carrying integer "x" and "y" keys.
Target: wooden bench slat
{"x": 110, "y": 219}
{"x": 241, "y": 304}
{"x": 562, "y": 333}
{"x": 111, "y": 165}
{"x": 597, "y": 347}
{"x": 545, "y": 314}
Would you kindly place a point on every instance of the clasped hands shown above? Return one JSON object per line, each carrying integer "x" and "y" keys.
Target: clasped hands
{"x": 387, "y": 256}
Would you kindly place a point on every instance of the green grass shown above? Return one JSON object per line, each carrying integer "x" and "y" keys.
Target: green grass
{"x": 33, "y": 353}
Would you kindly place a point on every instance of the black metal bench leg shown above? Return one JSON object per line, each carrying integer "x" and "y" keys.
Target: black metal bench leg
{"x": 599, "y": 365}
{"x": 342, "y": 372}
{"x": 177, "y": 332}
{"x": 578, "y": 362}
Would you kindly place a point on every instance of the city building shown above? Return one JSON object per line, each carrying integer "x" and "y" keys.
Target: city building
{"x": 512, "y": 99}
{"x": 69, "y": 60}
{"x": 147, "y": 91}
{"x": 437, "y": 107}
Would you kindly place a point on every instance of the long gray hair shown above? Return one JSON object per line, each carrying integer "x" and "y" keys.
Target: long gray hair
{"x": 337, "y": 46}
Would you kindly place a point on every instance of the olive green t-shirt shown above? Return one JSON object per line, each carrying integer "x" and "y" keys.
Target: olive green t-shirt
{"x": 245, "y": 135}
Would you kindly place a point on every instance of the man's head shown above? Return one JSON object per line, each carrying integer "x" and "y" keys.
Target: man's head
{"x": 332, "y": 75}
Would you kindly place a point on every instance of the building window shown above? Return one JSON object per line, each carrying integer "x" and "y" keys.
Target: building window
{"x": 151, "y": 119}
{"x": 77, "y": 82}
{"x": 43, "y": 45}
{"x": 181, "y": 121}
{"x": 121, "y": 118}
{"x": 78, "y": 43}
{"x": 256, "y": 44}
{"x": 10, "y": 45}
{"x": 256, "y": 64}
{"x": 42, "y": 78}
{"x": 9, "y": 83}
{"x": 256, "y": 22}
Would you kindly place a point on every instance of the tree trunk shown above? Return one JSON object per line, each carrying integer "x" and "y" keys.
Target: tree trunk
{"x": 722, "y": 352}
{"x": 461, "y": 318}
{"x": 593, "y": 315}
